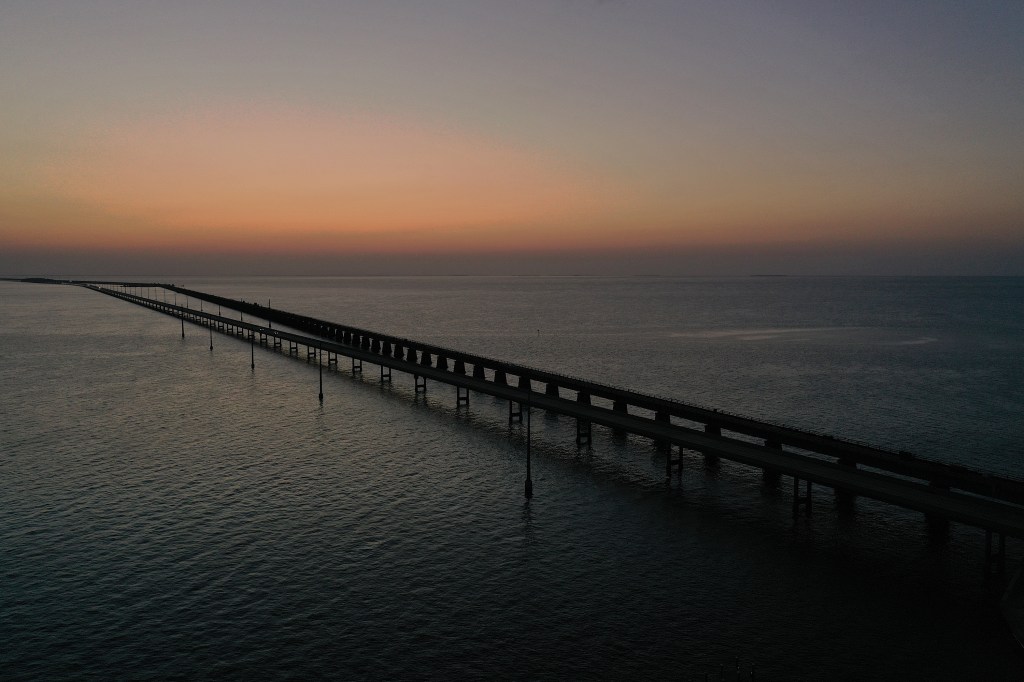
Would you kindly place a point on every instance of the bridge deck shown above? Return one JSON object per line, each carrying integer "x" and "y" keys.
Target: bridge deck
{"x": 977, "y": 499}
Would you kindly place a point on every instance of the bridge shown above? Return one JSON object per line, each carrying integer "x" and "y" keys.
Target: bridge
{"x": 943, "y": 492}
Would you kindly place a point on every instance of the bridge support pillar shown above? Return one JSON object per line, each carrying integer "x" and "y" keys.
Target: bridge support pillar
{"x": 662, "y": 418}
{"x": 357, "y": 366}
{"x": 293, "y": 348}
{"x": 332, "y": 360}
{"x": 938, "y": 526}
{"x": 528, "y": 488}
{"x": 710, "y": 458}
{"x": 801, "y": 500}
{"x": 583, "y": 433}
{"x": 938, "y": 529}
{"x": 620, "y": 407}
{"x": 461, "y": 397}
{"x": 310, "y": 354}
{"x": 844, "y": 498}
{"x": 671, "y": 462}
{"x": 769, "y": 475}
{"x": 515, "y": 412}
{"x": 385, "y": 375}
{"x": 995, "y": 559}
{"x": 421, "y": 383}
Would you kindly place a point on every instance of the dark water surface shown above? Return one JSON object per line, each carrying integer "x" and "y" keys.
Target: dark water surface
{"x": 167, "y": 513}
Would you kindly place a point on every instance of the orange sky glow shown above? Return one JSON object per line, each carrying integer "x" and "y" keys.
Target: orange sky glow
{"x": 263, "y": 179}
{"x": 545, "y": 129}
{"x": 260, "y": 179}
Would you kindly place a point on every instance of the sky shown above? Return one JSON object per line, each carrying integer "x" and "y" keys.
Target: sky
{"x": 626, "y": 137}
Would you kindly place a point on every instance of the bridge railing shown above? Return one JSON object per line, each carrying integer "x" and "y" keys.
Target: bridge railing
{"x": 776, "y": 435}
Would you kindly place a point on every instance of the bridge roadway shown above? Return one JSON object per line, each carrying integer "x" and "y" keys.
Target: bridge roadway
{"x": 955, "y": 493}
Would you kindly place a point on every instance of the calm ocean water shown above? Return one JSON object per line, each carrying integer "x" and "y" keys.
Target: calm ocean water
{"x": 166, "y": 513}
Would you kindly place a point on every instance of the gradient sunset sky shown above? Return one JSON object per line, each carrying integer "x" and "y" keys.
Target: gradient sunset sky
{"x": 557, "y": 137}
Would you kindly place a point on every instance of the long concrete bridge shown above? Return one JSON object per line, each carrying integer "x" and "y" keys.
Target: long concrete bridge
{"x": 944, "y": 492}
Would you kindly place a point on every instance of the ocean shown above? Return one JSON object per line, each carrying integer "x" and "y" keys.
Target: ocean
{"x": 166, "y": 512}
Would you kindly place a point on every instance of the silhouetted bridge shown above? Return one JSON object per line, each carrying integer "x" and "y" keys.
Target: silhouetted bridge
{"x": 944, "y": 492}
